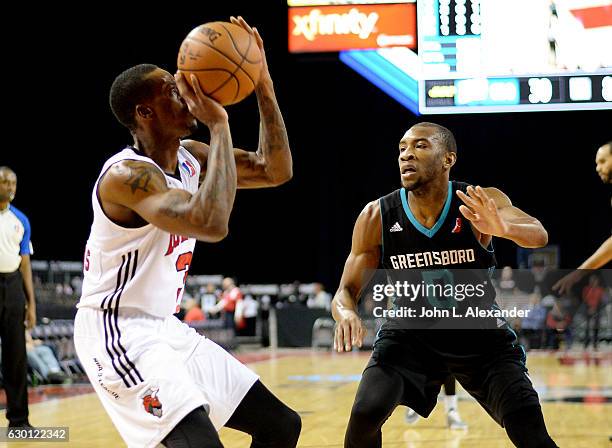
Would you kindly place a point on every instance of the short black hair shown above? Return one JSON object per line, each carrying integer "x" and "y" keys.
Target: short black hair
{"x": 444, "y": 134}
{"x": 130, "y": 88}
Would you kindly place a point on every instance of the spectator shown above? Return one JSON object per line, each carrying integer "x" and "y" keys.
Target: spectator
{"x": 17, "y": 303}
{"x": 539, "y": 271}
{"x": 231, "y": 295}
{"x": 506, "y": 282}
{"x": 592, "y": 296}
{"x": 68, "y": 291}
{"x": 246, "y": 310}
{"x": 557, "y": 322}
{"x": 77, "y": 285}
{"x": 43, "y": 360}
{"x": 208, "y": 299}
{"x": 193, "y": 312}
{"x": 320, "y": 298}
{"x": 296, "y": 296}
{"x": 533, "y": 324}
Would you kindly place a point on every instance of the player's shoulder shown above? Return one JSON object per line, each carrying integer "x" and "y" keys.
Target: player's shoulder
{"x": 20, "y": 215}
{"x": 369, "y": 216}
{"x": 390, "y": 200}
{"x": 366, "y": 233}
{"x": 127, "y": 168}
{"x": 132, "y": 175}
{"x": 371, "y": 209}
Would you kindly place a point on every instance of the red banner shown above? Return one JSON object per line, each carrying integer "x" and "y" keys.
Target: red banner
{"x": 594, "y": 17}
{"x": 351, "y": 27}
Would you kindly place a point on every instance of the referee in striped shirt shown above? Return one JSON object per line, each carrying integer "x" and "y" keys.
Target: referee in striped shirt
{"x": 17, "y": 304}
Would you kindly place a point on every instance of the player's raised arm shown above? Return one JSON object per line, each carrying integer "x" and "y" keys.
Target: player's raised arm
{"x": 364, "y": 255}
{"x": 271, "y": 164}
{"x": 141, "y": 187}
{"x": 491, "y": 212}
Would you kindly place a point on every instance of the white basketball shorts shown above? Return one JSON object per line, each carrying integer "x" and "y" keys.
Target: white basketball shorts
{"x": 151, "y": 372}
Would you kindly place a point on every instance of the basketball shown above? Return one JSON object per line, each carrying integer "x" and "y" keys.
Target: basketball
{"x": 224, "y": 57}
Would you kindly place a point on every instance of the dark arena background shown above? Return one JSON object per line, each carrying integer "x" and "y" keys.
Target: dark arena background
{"x": 343, "y": 132}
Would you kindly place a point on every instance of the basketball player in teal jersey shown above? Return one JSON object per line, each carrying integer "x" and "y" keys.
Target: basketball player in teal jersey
{"x": 426, "y": 220}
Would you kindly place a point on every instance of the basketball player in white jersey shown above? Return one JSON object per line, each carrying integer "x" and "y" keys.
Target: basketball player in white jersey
{"x": 160, "y": 381}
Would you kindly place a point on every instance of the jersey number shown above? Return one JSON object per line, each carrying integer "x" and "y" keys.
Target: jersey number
{"x": 182, "y": 264}
{"x": 86, "y": 261}
{"x": 438, "y": 280}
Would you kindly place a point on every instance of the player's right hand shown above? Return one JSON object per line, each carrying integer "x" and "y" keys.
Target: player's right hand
{"x": 349, "y": 332}
{"x": 265, "y": 73}
{"x": 203, "y": 107}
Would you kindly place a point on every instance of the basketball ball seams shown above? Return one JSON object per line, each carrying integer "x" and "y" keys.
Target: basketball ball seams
{"x": 200, "y": 50}
{"x": 232, "y": 75}
{"x": 246, "y": 53}
{"x": 244, "y": 56}
{"x": 224, "y": 83}
{"x": 238, "y": 67}
{"x": 216, "y": 49}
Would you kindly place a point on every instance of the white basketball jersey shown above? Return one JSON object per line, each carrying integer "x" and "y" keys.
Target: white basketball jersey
{"x": 144, "y": 267}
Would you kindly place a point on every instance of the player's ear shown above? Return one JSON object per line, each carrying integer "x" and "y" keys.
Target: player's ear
{"x": 143, "y": 111}
{"x": 449, "y": 159}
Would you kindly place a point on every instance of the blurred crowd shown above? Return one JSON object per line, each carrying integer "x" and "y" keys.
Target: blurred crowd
{"x": 554, "y": 322}
{"x": 240, "y": 310}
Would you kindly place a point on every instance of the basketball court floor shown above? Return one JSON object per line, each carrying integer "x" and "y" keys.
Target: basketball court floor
{"x": 575, "y": 390}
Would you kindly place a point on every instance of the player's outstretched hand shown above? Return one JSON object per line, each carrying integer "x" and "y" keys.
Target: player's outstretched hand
{"x": 482, "y": 212}
{"x": 349, "y": 332}
{"x": 265, "y": 74}
{"x": 204, "y": 108}
{"x": 564, "y": 285}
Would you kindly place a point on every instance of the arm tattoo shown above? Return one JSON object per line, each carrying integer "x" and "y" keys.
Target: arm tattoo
{"x": 175, "y": 206}
{"x": 139, "y": 178}
{"x": 215, "y": 197}
{"x": 273, "y": 134}
{"x": 273, "y": 140}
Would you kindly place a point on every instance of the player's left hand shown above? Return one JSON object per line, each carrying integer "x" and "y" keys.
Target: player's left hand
{"x": 265, "y": 74}
{"x": 482, "y": 212}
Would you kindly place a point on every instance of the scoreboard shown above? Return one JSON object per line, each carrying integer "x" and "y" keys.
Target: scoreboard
{"x": 524, "y": 93}
{"x": 514, "y": 55}
{"x": 498, "y": 56}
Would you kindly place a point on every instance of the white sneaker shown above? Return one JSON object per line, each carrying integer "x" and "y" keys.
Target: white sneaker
{"x": 453, "y": 419}
{"x": 411, "y": 417}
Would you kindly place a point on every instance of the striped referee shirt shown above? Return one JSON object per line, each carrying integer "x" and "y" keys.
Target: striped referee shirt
{"x": 14, "y": 239}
